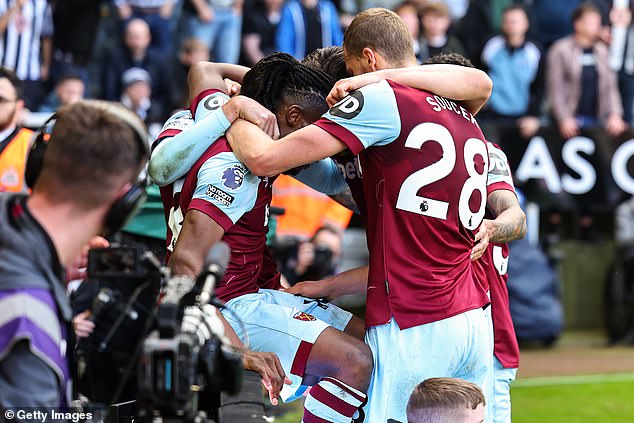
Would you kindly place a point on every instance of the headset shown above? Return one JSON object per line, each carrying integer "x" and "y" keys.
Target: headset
{"x": 123, "y": 207}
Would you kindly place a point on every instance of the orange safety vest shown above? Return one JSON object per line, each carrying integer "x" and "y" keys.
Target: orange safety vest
{"x": 13, "y": 161}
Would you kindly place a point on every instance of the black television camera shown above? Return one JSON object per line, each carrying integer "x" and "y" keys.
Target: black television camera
{"x": 173, "y": 345}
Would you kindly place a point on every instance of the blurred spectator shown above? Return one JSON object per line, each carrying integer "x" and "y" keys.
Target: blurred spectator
{"x": 137, "y": 95}
{"x": 136, "y": 54}
{"x": 156, "y": 13}
{"x": 435, "y": 39}
{"x": 259, "y": 29}
{"x": 582, "y": 89}
{"x": 388, "y": 4}
{"x": 622, "y": 53}
{"x": 551, "y": 21}
{"x": 76, "y": 23}
{"x": 305, "y": 209}
{"x": 514, "y": 65}
{"x": 482, "y": 20}
{"x": 307, "y": 25}
{"x": 14, "y": 141}
{"x": 26, "y": 27}
{"x": 313, "y": 260}
{"x": 408, "y": 12}
{"x": 216, "y": 23}
{"x": 192, "y": 52}
{"x": 70, "y": 89}
{"x": 446, "y": 400}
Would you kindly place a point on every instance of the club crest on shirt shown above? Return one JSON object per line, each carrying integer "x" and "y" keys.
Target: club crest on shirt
{"x": 349, "y": 107}
{"x": 232, "y": 177}
{"x": 304, "y": 317}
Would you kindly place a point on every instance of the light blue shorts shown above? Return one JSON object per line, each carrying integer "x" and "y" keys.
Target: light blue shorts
{"x": 502, "y": 395}
{"x": 275, "y": 321}
{"x": 458, "y": 346}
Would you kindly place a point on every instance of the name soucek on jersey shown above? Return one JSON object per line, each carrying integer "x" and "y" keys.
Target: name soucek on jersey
{"x": 491, "y": 269}
{"x": 424, "y": 166}
{"x": 221, "y": 187}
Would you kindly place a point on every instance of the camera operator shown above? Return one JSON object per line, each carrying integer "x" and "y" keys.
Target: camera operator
{"x": 84, "y": 185}
{"x": 315, "y": 259}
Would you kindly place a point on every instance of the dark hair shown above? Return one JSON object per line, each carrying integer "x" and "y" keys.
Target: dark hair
{"x": 280, "y": 78}
{"x": 14, "y": 80}
{"x": 329, "y": 60}
{"x": 450, "y": 58}
{"x": 443, "y": 399}
{"x": 381, "y": 30}
{"x": 92, "y": 152}
{"x": 69, "y": 77}
{"x": 582, "y": 9}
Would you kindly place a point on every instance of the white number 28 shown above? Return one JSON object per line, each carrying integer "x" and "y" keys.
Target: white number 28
{"x": 408, "y": 199}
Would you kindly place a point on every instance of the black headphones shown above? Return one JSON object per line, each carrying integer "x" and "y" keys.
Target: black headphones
{"x": 123, "y": 207}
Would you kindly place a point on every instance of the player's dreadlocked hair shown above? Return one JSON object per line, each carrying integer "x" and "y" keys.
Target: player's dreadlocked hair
{"x": 450, "y": 58}
{"x": 281, "y": 78}
{"x": 329, "y": 60}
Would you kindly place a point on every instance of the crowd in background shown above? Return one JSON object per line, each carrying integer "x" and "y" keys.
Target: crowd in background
{"x": 138, "y": 51}
{"x": 564, "y": 63}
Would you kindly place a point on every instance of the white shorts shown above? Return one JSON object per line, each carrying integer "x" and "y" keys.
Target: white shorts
{"x": 454, "y": 347}
{"x": 275, "y": 321}
{"x": 502, "y": 396}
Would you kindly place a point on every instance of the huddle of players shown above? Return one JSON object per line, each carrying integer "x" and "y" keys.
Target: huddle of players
{"x": 423, "y": 203}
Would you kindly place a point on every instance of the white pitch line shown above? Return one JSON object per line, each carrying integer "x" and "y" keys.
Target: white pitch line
{"x": 573, "y": 380}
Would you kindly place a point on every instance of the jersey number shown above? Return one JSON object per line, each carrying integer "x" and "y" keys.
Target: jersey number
{"x": 410, "y": 201}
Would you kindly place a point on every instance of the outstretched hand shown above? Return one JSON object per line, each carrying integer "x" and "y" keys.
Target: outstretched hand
{"x": 309, "y": 289}
{"x": 268, "y": 366}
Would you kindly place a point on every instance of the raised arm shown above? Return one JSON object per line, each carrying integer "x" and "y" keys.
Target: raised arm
{"x": 469, "y": 86}
{"x": 207, "y": 75}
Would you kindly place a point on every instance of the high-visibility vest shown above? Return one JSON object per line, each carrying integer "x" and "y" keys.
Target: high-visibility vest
{"x": 13, "y": 161}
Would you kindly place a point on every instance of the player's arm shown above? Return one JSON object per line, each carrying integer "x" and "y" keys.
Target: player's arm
{"x": 353, "y": 281}
{"x": 352, "y": 125}
{"x": 470, "y": 86}
{"x": 181, "y": 143}
{"x": 266, "y": 157}
{"x": 510, "y": 221}
{"x": 209, "y": 75}
{"x": 324, "y": 176}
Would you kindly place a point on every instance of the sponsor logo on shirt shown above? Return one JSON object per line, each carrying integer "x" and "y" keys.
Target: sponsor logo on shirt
{"x": 497, "y": 165}
{"x": 349, "y": 107}
{"x": 219, "y": 195}
{"x": 232, "y": 177}
{"x": 304, "y": 317}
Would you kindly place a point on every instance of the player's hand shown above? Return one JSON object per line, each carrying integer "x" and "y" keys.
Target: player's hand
{"x": 268, "y": 366}
{"x": 345, "y": 86}
{"x": 233, "y": 87}
{"x": 615, "y": 125}
{"x": 82, "y": 324}
{"x": 568, "y": 128}
{"x": 481, "y": 242}
{"x": 259, "y": 115}
{"x": 311, "y": 289}
{"x": 77, "y": 270}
